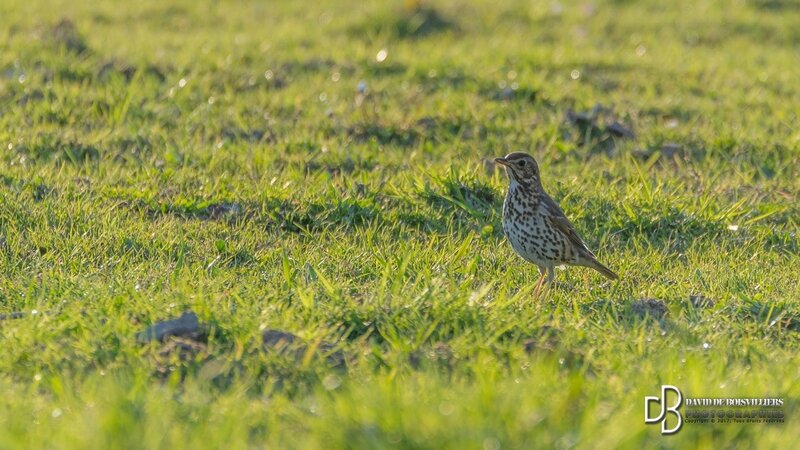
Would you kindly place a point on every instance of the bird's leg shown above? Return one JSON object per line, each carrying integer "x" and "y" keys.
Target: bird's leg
{"x": 563, "y": 284}
{"x": 538, "y": 288}
{"x": 551, "y": 275}
{"x": 539, "y": 284}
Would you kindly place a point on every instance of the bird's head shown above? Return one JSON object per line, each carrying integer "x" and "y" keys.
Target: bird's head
{"x": 522, "y": 168}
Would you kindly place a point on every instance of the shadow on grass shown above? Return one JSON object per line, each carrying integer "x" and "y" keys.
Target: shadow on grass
{"x": 314, "y": 217}
{"x": 442, "y": 78}
{"x": 416, "y": 23}
{"x": 49, "y": 148}
{"x": 384, "y": 134}
{"x": 629, "y": 312}
{"x": 335, "y": 167}
{"x": 128, "y": 71}
{"x": 64, "y": 35}
{"x": 776, "y": 5}
{"x": 276, "y": 214}
{"x": 659, "y": 223}
{"x": 771, "y": 315}
{"x": 407, "y": 135}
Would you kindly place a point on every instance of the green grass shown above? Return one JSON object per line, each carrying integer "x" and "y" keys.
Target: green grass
{"x": 165, "y": 156}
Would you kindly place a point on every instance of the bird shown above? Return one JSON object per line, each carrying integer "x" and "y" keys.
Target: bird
{"x": 535, "y": 225}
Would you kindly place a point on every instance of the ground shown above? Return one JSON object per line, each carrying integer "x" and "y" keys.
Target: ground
{"x": 313, "y": 181}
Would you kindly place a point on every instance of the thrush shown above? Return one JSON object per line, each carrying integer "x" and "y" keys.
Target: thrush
{"x": 536, "y": 226}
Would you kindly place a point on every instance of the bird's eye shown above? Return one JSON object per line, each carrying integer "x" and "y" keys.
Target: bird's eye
{"x": 522, "y": 163}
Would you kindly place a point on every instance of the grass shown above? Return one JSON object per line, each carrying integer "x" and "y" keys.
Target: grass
{"x": 255, "y": 163}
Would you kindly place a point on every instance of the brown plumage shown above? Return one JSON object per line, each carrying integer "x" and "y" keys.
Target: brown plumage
{"x": 536, "y": 226}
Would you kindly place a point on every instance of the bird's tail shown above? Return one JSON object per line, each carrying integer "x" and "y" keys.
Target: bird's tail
{"x": 595, "y": 264}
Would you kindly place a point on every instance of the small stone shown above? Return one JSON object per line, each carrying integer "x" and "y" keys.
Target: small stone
{"x": 649, "y": 307}
{"x": 183, "y": 349}
{"x": 65, "y": 34}
{"x": 186, "y": 326}
{"x": 530, "y": 345}
{"x": 287, "y": 343}
{"x": 427, "y": 123}
{"x": 670, "y": 149}
{"x": 619, "y": 130}
{"x": 277, "y": 339}
{"x": 225, "y": 209}
{"x": 580, "y": 119}
{"x": 701, "y": 301}
{"x": 13, "y": 315}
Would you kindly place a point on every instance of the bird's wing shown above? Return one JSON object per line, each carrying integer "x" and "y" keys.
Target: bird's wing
{"x": 562, "y": 224}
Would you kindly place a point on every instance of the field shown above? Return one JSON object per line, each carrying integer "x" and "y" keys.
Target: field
{"x": 314, "y": 181}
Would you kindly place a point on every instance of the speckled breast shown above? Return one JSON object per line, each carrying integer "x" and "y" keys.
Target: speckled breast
{"x": 531, "y": 235}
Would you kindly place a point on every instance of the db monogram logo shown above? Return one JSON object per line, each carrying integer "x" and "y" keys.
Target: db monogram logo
{"x": 664, "y": 409}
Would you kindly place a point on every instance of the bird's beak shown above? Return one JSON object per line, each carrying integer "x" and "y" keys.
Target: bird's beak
{"x": 501, "y": 161}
